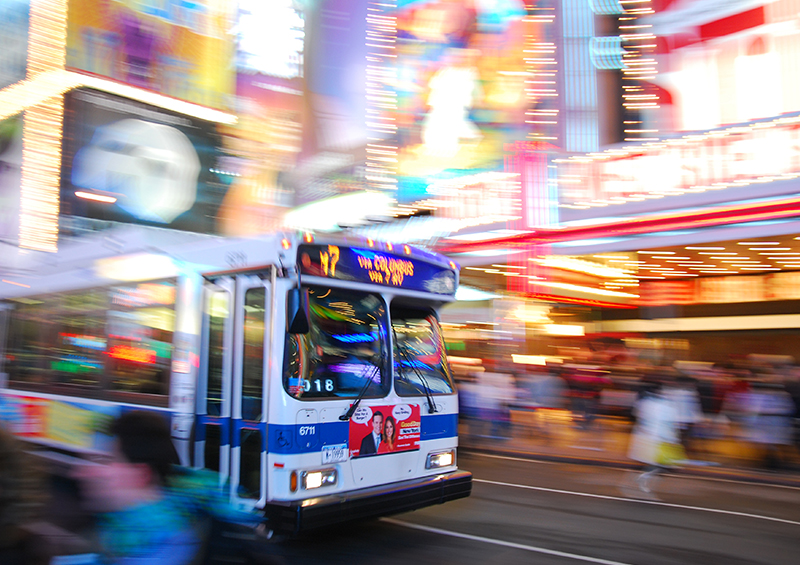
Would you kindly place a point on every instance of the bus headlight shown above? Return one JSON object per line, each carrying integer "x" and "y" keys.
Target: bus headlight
{"x": 316, "y": 479}
{"x": 441, "y": 459}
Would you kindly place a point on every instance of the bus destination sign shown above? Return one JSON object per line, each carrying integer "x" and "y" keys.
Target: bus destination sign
{"x": 370, "y": 266}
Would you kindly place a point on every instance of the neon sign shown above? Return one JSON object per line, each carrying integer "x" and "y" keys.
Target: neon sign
{"x": 135, "y": 354}
{"x": 370, "y": 266}
{"x": 85, "y": 341}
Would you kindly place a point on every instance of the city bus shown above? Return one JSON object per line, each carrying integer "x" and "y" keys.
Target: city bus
{"x": 309, "y": 371}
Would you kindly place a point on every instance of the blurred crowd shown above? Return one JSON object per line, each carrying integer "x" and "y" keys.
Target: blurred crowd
{"x": 752, "y": 403}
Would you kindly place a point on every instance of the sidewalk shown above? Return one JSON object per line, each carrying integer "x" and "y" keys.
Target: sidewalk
{"x": 551, "y": 435}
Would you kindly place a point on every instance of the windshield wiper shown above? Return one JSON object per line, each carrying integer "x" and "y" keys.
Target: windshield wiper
{"x": 377, "y": 360}
{"x": 425, "y": 387}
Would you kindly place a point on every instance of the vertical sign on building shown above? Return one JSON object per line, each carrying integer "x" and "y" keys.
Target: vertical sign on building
{"x": 381, "y": 40}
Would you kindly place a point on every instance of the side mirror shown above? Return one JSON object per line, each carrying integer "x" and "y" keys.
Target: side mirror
{"x": 297, "y": 316}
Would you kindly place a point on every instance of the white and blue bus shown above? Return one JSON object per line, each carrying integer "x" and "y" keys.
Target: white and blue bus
{"x": 310, "y": 373}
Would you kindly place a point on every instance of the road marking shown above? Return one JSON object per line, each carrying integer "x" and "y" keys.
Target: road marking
{"x": 639, "y": 501}
{"x": 717, "y": 480}
{"x": 509, "y": 458}
{"x": 513, "y": 545}
{"x": 669, "y": 476}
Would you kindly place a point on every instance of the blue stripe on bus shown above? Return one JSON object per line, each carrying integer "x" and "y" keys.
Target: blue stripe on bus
{"x": 438, "y": 426}
{"x": 204, "y": 420}
{"x": 289, "y": 439}
{"x": 240, "y": 426}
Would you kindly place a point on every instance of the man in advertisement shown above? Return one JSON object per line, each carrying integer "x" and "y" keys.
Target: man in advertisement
{"x": 371, "y": 442}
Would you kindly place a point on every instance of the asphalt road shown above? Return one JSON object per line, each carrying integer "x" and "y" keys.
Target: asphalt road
{"x": 524, "y": 512}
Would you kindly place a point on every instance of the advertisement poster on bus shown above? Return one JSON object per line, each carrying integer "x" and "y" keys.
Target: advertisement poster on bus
{"x": 71, "y": 424}
{"x": 376, "y": 430}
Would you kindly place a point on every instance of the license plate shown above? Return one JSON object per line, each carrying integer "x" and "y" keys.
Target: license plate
{"x": 334, "y": 453}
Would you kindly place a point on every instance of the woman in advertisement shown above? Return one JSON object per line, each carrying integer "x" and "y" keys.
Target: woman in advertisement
{"x": 388, "y": 436}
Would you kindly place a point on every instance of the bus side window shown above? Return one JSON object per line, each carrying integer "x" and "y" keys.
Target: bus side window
{"x": 140, "y": 327}
{"x": 57, "y": 339}
{"x": 100, "y": 342}
{"x": 218, "y": 315}
{"x": 293, "y": 365}
{"x": 253, "y": 368}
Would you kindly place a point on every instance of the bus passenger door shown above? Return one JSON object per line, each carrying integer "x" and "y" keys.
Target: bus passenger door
{"x": 251, "y": 360}
{"x": 213, "y": 425}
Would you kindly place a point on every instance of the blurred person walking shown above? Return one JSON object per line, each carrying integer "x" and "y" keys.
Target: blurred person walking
{"x": 767, "y": 412}
{"x": 151, "y": 511}
{"x": 496, "y": 392}
{"x": 682, "y": 392}
{"x": 540, "y": 393}
{"x": 655, "y": 441}
{"x": 586, "y": 384}
{"x": 21, "y": 503}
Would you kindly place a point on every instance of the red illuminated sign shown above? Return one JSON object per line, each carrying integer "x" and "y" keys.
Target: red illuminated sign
{"x": 135, "y": 354}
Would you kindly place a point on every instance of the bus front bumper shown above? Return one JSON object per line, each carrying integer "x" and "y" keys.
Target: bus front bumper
{"x": 299, "y": 516}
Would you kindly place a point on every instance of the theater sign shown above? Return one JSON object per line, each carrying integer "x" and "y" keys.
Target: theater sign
{"x": 753, "y": 153}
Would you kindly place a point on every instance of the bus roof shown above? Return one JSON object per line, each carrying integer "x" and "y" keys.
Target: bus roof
{"x": 97, "y": 259}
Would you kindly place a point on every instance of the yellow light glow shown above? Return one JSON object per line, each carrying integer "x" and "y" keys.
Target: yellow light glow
{"x": 581, "y": 266}
{"x": 138, "y": 267}
{"x": 56, "y": 82}
{"x": 532, "y": 314}
{"x": 41, "y": 133}
{"x": 540, "y": 360}
{"x": 564, "y": 329}
{"x": 95, "y": 197}
{"x": 41, "y": 173}
{"x": 588, "y": 289}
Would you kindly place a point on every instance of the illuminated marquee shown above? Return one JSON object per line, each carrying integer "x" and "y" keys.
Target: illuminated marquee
{"x": 370, "y": 266}
{"x": 760, "y": 152}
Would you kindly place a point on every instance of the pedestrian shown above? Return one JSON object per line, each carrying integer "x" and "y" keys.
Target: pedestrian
{"x": 21, "y": 504}
{"x": 655, "y": 441}
{"x": 682, "y": 392}
{"x": 496, "y": 393}
{"x": 767, "y": 421}
{"x": 586, "y": 386}
{"x": 150, "y": 510}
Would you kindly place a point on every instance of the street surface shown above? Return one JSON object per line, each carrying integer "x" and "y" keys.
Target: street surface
{"x": 523, "y": 512}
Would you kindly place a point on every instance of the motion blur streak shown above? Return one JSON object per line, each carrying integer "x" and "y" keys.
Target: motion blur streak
{"x": 653, "y": 502}
{"x": 503, "y": 543}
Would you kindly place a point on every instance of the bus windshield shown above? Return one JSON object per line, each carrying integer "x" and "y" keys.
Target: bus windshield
{"x": 345, "y": 347}
{"x": 419, "y": 354}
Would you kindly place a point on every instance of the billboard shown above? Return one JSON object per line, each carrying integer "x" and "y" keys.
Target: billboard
{"x": 10, "y": 177}
{"x": 443, "y": 102}
{"x": 461, "y": 87}
{"x": 15, "y": 15}
{"x": 126, "y": 161}
{"x": 265, "y": 142}
{"x": 179, "y": 49}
